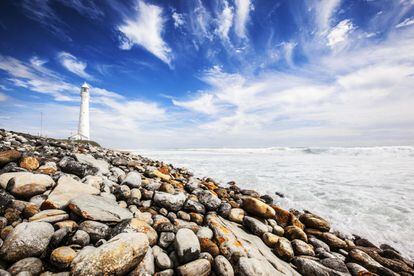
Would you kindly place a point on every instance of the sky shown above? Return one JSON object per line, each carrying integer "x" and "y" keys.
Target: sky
{"x": 219, "y": 73}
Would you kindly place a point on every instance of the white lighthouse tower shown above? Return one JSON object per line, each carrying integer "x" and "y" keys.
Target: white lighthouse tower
{"x": 83, "y": 129}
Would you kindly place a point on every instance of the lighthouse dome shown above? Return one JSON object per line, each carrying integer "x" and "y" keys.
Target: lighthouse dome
{"x": 85, "y": 85}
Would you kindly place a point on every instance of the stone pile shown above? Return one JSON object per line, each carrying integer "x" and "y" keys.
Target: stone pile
{"x": 71, "y": 208}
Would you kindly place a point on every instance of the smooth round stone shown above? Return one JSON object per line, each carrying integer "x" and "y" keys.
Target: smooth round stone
{"x": 255, "y": 226}
{"x": 167, "y": 272}
{"x": 63, "y": 256}
{"x": 270, "y": 239}
{"x": 200, "y": 267}
{"x": 205, "y": 232}
{"x": 166, "y": 238}
{"x": 302, "y": 248}
{"x": 32, "y": 265}
{"x": 60, "y": 236}
{"x": 284, "y": 249}
{"x": 222, "y": 266}
{"x": 81, "y": 238}
{"x": 187, "y": 245}
{"x": 132, "y": 179}
{"x": 209, "y": 200}
{"x": 207, "y": 245}
{"x": 183, "y": 215}
{"x": 162, "y": 261}
{"x": 236, "y": 215}
{"x": 96, "y": 230}
{"x": 293, "y": 232}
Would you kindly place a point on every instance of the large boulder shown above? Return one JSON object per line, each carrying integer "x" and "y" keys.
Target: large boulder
{"x": 67, "y": 188}
{"x": 169, "y": 201}
{"x": 5, "y": 177}
{"x": 98, "y": 208}
{"x": 101, "y": 165}
{"x": 258, "y": 208}
{"x": 116, "y": 257}
{"x": 235, "y": 243}
{"x": 28, "y": 239}
{"x": 187, "y": 245}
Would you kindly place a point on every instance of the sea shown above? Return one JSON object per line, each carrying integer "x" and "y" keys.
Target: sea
{"x": 367, "y": 191}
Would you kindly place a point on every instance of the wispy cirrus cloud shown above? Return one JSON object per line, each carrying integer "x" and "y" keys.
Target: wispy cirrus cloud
{"x": 74, "y": 65}
{"x": 243, "y": 8}
{"x": 145, "y": 28}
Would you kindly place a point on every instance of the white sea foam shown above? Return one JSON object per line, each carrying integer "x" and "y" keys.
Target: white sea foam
{"x": 367, "y": 191}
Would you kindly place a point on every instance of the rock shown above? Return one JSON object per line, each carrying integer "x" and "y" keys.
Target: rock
{"x": 166, "y": 238}
{"x": 314, "y": 221}
{"x": 306, "y": 266}
{"x": 135, "y": 225}
{"x": 209, "y": 200}
{"x": 8, "y": 156}
{"x": 32, "y": 265}
{"x": 51, "y": 216}
{"x": 205, "y": 233}
{"x": 167, "y": 188}
{"x": 270, "y": 239}
{"x": 293, "y": 232}
{"x": 302, "y": 248}
{"x": 197, "y": 218}
{"x": 122, "y": 192}
{"x": 48, "y": 168}
{"x": 318, "y": 243}
{"x": 183, "y": 215}
{"x": 133, "y": 180}
{"x": 81, "y": 238}
{"x": 251, "y": 266}
{"x": 28, "y": 239}
{"x": 29, "y": 163}
{"x": 5, "y": 177}
{"x": 235, "y": 243}
{"x": 30, "y": 210}
{"x": 333, "y": 241}
{"x": 63, "y": 256}
{"x": 169, "y": 201}
{"x": 27, "y": 185}
{"x": 116, "y": 257}
{"x": 200, "y": 267}
{"x": 59, "y": 237}
{"x": 162, "y": 261}
{"x": 255, "y": 226}
{"x": 206, "y": 245}
{"x": 101, "y": 166}
{"x": 356, "y": 269}
{"x": 72, "y": 225}
{"x": 236, "y": 215}
{"x": 161, "y": 175}
{"x": 187, "y": 245}
{"x": 194, "y": 206}
{"x": 222, "y": 266}
{"x": 284, "y": 249}
{"x": 67, "y": 188}
{"x": 366, "y": 261}
{"x": 70, "y": 166}
{"x": 146, "y": 266}
{"x": 5, "y": 200}
{"x": 258, "y": 208}
{"x": 98, "y": 208}
{"x": 96, "y": 230}
{"x": 335, "y": 264}
{"x": 283, "y": 217}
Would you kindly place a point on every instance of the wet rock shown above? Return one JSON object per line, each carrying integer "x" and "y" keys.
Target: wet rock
{"x": 302, "y": 248}
{"x": 28, "y": 239}
{"x": 222, "y": 266}
{"x": 333, "y": 241}
{"x": 51, "y": 216}
{"x": 194, "y": 206}
{"x": 206, "y": 245}
{"x": 135, "y": 225}
{"x": 335, "y": 264}
{"x": 133, "y": 180}
{"x": 293, "y": 232}
{"x": 8, "y": 156}
{"x": 258, "y": 208}
{"x": 318, "y": 243}
{"x": 284, "y": 249}
{"x": 146, "y": 266}
{"x": 236, "y": 215}
{"x": 314, "y": 221}
{"x": 67, "y": 188}
{"x": 169, "y": 201}
{"x": 32, "y": 265}
{"x": 255, "y": 226}
{"x": 270, "y": 239}
{"x": 307, "y": 266}
{"x": 27, "y": 185}
{"x": 209, "y": 200}
{"x": 96, "y": 230}
{"x": 200, "y": 267}
{"x": 162, "y": 261}
{"x": 118, "y": 256}
{"x": 282, "y": 217}
{"x": 98, "y": 208}
{"x": 356, "y": 269}
{"x": 366, "y": 261}
{"x": 81, "y": 238}
{"x": 187, "y": 246}
{"x": 62, "y": 257}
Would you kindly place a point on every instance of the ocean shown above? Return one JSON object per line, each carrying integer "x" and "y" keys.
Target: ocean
{"x": 368, "y": 191}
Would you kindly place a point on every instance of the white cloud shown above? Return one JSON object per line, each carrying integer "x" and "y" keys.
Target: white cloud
{"x": 243, "y": 8}
{"x": 340, "y": 32}
{"x": 145, "y": 28}
{"x": 225, "y": 21}
{"x": 178, "y": 19}
{"x": 202, "y": 104}
{"x": 36, "y": 61}
{"x": 72, "y": 64}
{"x": 405, "y": 23}
{"x": 324, "y": 10}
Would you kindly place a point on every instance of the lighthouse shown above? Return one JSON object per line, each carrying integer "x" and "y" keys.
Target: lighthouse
{"x": 83, "y": 128}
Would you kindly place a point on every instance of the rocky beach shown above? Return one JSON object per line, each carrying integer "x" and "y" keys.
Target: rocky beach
{"x": 69, "y": 208}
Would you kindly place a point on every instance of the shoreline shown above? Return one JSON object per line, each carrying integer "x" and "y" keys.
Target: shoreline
{"x": 230, "y": 227}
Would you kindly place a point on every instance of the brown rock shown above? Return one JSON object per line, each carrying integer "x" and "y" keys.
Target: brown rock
{"x": 29, "y": 163}
{"x": 207, "y": 245}
{"x": 9, "y": 156}
{"x": 302, "y": 248}
{"x": 167, "y": 188}
{"x": 51, "y": 216}
{"x": 236, "y": 215}
{"x": 258, "y": 208}
{"x": 293, "y": 232}
{"x": 200, "y": 267}
{"x": 282, "y": 216}
{"x": 314, "y": 221}
{"x": 63, "y": 256}
{"x": 72, "y": 225}
{"x": 197, "y": 218}
{"x": 135, "y": 225}
{"x": 30, "y": 210}
{"x": 270, "y": 239}
{"x": 366, "y": 261}
{"x": 284, "y": 249}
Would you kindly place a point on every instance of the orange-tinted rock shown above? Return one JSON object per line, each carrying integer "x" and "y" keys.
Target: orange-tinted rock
{"x": 314, "y": 221}
{"x": 29, "y": 163}
{"x": 293, "y": 232}
{"x": 258, "y": 208}
{"x": 207, "y": 245}
{"x": 282, "y": 216}
{"x": 8, "y": 156}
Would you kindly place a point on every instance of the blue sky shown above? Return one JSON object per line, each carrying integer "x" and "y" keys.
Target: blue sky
{"x": 225, "y": 73}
